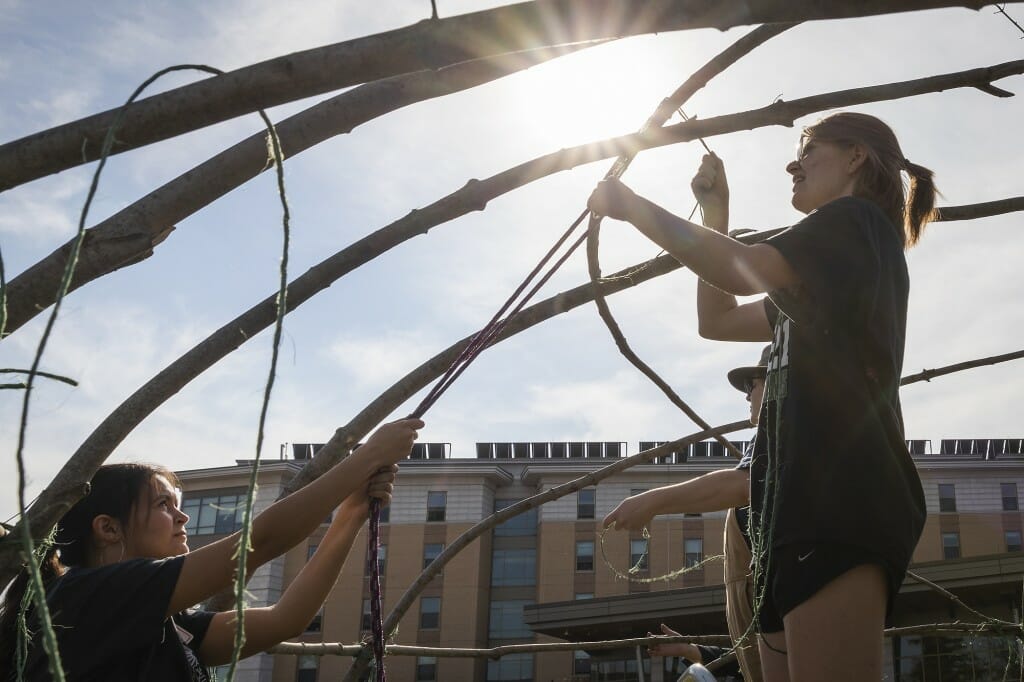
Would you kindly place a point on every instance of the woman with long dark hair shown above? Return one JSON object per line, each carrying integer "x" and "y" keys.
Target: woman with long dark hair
{"x": 121, "y": 582}
{"x": 836, "y": 502}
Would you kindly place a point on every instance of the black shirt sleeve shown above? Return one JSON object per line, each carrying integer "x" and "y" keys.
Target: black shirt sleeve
{"x": 196, "y": 622}
{"x": 834, "y": 253}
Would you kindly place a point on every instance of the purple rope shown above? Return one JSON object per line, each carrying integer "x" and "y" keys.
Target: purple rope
{"x": 376, "y": 617}
{"x": 481, "y": 340}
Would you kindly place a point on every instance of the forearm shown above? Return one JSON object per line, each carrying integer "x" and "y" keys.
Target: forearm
{"x": 290, "y": 520}
{"x": 711, "y": 492}
{"x": 307, "y": 593}
{"x": 289, "y": 617}
{"x": 717, "y": 259}
{"x": 713, "y": 303}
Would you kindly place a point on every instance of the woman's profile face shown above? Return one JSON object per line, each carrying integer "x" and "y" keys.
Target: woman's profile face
{"x": 824, "y": 171}
{"x": 157, "y": 530}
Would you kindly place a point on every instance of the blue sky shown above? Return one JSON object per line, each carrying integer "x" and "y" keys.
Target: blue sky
{"x": 563, "y": 380}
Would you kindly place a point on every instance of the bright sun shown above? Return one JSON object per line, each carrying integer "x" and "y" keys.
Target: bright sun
{"x": 592, "y": 95}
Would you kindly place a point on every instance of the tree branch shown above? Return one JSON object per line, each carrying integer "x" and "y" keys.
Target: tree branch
{"x": 476, "y": 193}
{"x": 430, "y": 44}
{"x": 339, "y": 649}
{"x": 983, "y": 210}
{"x": 129, "y": 236}
{"x": 929, "y": 374}
{"x": 956, "y": 600}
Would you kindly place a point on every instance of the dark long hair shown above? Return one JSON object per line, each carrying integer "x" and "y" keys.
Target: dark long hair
{"x": 879, "y": 180}
{"x": 115, "y": 490}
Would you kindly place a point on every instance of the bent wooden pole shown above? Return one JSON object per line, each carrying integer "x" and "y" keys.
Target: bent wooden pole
{"x": 131, "y": 235}
{"x": 429, "y": 44}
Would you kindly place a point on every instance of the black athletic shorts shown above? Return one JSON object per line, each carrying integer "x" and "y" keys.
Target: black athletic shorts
{"x": 796, "y": 572}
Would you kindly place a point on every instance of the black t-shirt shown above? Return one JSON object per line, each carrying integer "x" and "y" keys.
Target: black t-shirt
{"x": 111, "y": 626}
{"x": 831, "y": 463}
{"x": 743, "y": 513}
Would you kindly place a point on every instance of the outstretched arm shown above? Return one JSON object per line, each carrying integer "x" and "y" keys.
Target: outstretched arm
{"x": 710, "y": 492}
{"x": 287, "y": 522}
{"x": 289, "y": 617}
{"x": 725, "y": 263}
{"x": 685, "y": 650}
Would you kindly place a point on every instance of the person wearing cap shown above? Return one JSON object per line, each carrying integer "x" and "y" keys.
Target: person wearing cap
{"x": 713, "y": 491}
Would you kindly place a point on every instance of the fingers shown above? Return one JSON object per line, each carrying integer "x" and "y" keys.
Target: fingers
{"x": 382, "y": 484}
{"x": 666, "y": 630}
{"x": 710, "y": 174}
{"x": 393, "y": 441}
{"x": 611, "y": 198}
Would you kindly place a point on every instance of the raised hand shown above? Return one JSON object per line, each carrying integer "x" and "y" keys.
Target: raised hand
{"x": 711, "y": 189}
{"x": 392, "y": 442}
{"x": 613, "y": 199}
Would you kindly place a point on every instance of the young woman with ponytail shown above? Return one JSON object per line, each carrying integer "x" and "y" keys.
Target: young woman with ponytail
{"x": 121, "y": 582}
{"x": 836, "y": 503}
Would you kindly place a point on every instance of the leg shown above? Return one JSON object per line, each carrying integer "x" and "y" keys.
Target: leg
{"x": 836, "y": 635}
{"x": 739, "y": 590}
{"x": 774, "y": 660}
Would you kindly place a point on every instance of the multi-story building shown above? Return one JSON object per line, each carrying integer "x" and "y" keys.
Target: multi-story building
{"x": 546, "y": 576}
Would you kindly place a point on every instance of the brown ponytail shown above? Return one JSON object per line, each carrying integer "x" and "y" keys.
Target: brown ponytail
{"x": 879, "y": 177}
{"x": 920, "y": 208}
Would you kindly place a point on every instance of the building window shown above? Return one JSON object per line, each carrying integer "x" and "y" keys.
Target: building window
{"x": 633, "y": 492}
{"x": 431, "y": 552}
{"x": 366, "y": 622}
{"x": 922, "y": 659}
{"x": 693, "y": 548}
{"x": 511, "y": 668}
{"x": 514, "y": 567}
{"x": 638, "y": 554}
{"x": 585, "y": 556}
{"x": 507, "y": 620}
{"x": 311, "y": 550}
{"x": 580, "y": 663}
{"x": 1013, "y": 541}
{"x": 382, "y": 561}
{"x": 947, "y": 497}
{"x": 521, "y": 525}
{"x": 436, "y": 503}
{"x": 585, "y": 503}
{"x": 1009, "y": 492}
{"x": 430, "y": 613}
{"x": 316, "y": 625}
{"x": 306, "y": 669}
{"x": 214, "y": 514}
{"x": 426, "y": 669}
{"x": 580, "y": 596}
{"x": 951, "y": 545}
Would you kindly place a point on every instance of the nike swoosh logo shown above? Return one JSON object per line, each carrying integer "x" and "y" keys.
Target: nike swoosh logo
{"x": 801, "y": 558}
